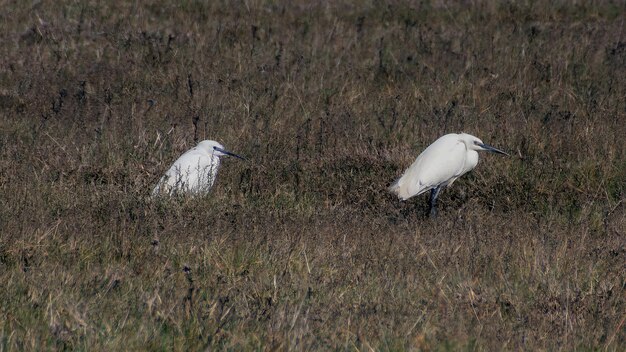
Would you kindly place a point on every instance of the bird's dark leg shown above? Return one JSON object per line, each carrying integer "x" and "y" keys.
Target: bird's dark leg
{"x": 434, "y": 193}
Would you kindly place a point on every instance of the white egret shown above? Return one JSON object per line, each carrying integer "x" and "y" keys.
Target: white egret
{"x": 439, "y": 165}
{"x": 193, "y": 172}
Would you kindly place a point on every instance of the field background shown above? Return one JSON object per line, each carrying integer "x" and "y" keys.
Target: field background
{"x": 301, "y": 247}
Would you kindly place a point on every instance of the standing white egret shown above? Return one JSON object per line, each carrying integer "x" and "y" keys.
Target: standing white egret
{"x": 193, "y": 172}
{"x": 439, "y": 165}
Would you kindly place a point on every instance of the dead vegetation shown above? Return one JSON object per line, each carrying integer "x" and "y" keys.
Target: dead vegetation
{"x": 301, "y": 248}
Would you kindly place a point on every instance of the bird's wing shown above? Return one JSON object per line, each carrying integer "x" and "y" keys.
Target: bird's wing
{"x": 437, "y": 164}
{"x": 440, "y": 164}
{"x": 191, "y": 172}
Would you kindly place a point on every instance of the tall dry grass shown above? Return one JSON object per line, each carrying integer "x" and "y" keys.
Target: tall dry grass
{"x": 301, "y": 247}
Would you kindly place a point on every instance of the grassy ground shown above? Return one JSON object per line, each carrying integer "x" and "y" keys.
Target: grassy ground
{"x": 301, "y": 247}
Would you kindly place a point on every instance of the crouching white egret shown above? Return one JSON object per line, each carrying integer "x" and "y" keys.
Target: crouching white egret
{"x": 439, "y": 165}
{"x": 193, "y": 172}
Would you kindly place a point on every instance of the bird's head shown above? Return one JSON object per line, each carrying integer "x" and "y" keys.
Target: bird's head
{"x": 216, "y": 149}
{"x": 474, "y": 143}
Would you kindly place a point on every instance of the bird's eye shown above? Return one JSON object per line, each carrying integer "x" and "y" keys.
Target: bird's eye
{"x": 476, "y": 142}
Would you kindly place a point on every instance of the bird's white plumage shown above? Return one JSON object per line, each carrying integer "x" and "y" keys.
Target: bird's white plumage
{"x": 440, "y": 164}
{"x": 194, "y": 172}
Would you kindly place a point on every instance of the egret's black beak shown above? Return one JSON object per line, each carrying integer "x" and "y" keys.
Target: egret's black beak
{"x": 491, "y": 149}
{"x": 228, "y": 153}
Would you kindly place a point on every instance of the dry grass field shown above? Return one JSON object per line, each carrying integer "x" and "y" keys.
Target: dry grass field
{"x": 301, "y": 247}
